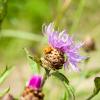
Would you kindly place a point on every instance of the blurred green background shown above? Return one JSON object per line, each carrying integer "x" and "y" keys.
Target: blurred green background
{"x": 22, "y": 27}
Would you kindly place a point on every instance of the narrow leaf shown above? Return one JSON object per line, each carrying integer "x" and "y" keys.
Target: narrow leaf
{"x": 4, "y": 92}
{"x": 33, "y": 62}
{"x": 96, "y": 89}
{"x": 65, "y": 82}
{"x": 6, "y": 72}
{"x": 91, "y": 73}
{"x": 97, "y": 83}
{"x": 60, "y": 76}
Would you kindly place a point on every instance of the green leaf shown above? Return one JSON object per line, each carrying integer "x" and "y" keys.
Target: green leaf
{"x": 33, "y": 62}
{"x": 65, "y": 82}
{"x": 96, "y": 89}
{"x": 4, "y": 92}
{"x": 6, "y": 72}
{"x": 91, "y": 73}
{"x": 34, "y": 65}
{"x": 60, "y": 76}
{"x": 97, "y": 83}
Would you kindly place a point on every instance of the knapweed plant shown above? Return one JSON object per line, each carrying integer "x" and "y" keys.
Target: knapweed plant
{"x": 62, "y": 52}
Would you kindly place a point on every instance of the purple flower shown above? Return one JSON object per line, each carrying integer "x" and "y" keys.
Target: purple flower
{"x": 35, "y": 82}
{"x": 65, "y": 43}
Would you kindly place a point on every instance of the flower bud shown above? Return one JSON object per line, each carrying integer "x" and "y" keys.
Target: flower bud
{"x": 89, "y": 44}
{"x": 33, "y": 89}
{"x": 32, "y": 94}
{"x": 35, "y": 82}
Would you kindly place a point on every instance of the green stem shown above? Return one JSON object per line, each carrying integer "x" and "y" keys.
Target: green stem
{"x": 77, "y": 16}
{"x": 61, "y": 13}
{"x": 45, "y": 76}
{"x": 69, "y": 91}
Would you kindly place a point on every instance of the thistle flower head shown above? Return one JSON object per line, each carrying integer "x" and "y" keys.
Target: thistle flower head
{"x": 64, "y": 43}
{"x": 33, "y": 89}
{"x": 35, "y": 82}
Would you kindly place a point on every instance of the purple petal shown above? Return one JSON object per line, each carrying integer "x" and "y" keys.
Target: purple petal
{"x": 35, "y": 82}
{"x": 47, "y": 30}
{"x": 77, "y": 47}
{"x": 75, "y": 57}
{"x": 74, "y": 66}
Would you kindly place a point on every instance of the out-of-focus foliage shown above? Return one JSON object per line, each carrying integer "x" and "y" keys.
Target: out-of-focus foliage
{"x": 22, "y": 28}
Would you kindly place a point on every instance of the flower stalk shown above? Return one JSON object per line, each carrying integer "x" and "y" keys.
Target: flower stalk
{"x": 46, "y": 75}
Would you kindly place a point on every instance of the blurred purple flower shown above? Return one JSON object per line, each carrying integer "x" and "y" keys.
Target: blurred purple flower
{"x": 65, "y": 43}
{"x": 35, "y": 82}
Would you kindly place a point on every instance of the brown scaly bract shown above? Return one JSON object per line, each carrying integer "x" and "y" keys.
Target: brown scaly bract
{"x": 31, "y": 94}
{"x": 53, "y": 59}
